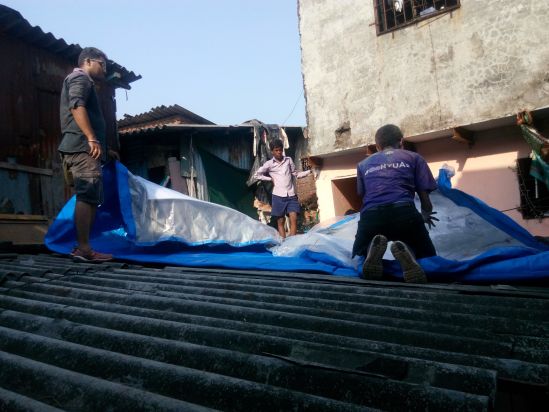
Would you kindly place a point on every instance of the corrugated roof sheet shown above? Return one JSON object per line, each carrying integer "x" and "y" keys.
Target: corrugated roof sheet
{"x": 159, "y": 113}
{"x": 125, "y": 337}
{"x": 13, "y": 24}
{"x": 173, "y": 127}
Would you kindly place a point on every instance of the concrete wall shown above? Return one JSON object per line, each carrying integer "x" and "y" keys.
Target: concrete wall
{"x": 485, "y": 60}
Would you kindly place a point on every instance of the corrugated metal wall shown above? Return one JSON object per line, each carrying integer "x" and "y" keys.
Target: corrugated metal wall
{"x": 29, "y": 121}
{"x": 234, "y": 148}
{"x": 138, "y": 151}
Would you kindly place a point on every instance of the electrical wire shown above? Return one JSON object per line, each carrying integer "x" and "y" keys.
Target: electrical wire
{"x": 293, "y": 108}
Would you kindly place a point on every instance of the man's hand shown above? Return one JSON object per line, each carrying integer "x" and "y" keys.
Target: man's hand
{"x": 113, "y": 154}
{"x": 429, "y": 219}
{"x": 95, "y": 149}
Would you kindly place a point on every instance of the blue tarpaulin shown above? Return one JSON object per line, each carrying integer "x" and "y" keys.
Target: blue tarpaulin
{"x": 147, "y": 223}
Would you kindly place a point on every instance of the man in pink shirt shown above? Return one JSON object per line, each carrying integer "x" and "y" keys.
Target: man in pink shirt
{"x": 281, "y": 171}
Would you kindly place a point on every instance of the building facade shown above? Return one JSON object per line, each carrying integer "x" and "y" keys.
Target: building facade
{"x": 451, "y": 73}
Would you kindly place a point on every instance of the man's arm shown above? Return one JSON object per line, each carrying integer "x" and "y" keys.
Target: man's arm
{"x": 297, "y": 174}
{"x": 260, "y": 173}
{"x": 359, "y": 184}
{"x": 305, "y": 173}
{"x": 79, "y": 89}
{"x": 300, "y": 175}
{"x": 425, "y": 183}
{"x": 427, "y": 209}
{"x": 82, "y": 119}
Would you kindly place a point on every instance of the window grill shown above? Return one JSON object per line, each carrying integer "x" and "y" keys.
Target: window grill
{"x": 395, "y": 14}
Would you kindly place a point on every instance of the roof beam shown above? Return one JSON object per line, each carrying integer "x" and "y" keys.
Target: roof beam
{"x": 463, "y": 135}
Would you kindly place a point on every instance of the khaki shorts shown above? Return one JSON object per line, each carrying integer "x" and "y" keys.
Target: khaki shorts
{"x": 83, "y": 172}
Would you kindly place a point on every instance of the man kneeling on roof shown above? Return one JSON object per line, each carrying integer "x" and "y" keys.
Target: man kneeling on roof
{"x": 387, "y": 182}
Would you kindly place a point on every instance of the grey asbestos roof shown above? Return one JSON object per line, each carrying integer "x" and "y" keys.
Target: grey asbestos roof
{"x": 124, "y": 337}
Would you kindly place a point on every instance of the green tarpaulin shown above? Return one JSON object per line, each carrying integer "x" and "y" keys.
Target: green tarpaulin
{"x": 227, "y": 184}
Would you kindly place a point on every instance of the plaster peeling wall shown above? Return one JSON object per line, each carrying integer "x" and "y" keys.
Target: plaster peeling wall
{"x": 485, "y": 60}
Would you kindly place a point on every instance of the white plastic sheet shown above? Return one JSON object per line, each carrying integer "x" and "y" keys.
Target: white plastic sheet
{"x": 163, "y": 214}
{"x": 460, "y": 234}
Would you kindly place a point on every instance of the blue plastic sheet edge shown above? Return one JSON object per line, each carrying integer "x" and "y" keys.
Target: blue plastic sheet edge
{"x": 114, "y": 232}
{"x": 499, "y": 264}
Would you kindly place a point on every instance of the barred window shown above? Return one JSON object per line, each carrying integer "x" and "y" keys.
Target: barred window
{"x": 534, "y": 195}
{"x": 395, "y": 14}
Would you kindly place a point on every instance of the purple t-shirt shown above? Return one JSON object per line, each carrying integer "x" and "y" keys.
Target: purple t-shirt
{"x": 393, "y": 175}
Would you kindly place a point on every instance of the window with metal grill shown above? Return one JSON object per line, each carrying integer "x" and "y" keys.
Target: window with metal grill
{"x": 534, "y": 195}
{"x": 395, "y": 14}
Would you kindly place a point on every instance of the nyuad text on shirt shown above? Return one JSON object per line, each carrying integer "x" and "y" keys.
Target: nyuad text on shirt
{"x": 396, "y": 165}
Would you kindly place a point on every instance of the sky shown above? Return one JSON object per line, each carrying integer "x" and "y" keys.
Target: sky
{"x": 226, "y": 60}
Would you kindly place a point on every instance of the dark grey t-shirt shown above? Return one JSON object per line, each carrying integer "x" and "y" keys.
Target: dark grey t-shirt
{"x": 79, "y": 90}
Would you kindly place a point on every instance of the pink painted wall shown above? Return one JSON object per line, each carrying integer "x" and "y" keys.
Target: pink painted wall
{"x": 487, "y": 170}
{"x": 334, "y": 195}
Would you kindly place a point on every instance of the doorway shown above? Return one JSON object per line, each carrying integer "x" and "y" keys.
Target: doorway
{"x": 345, "y": 196}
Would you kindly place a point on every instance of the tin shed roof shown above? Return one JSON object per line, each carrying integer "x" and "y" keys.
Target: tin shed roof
{"x": 170, "y": 128}
{"x": 212, "y": 129}
{"x": 124, "y": 337}
{"x": 160, "y": 113}
{"x": 13, "y": 24}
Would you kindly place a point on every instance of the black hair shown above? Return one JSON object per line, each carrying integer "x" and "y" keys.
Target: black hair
{"x": 90, "y": 53}
{"x": 275, "y": 144}
{"x": 388, "y": 136}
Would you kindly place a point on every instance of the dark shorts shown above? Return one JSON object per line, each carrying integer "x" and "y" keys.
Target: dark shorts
{"x": 83, "y": 172}
{"x": 400, "y": 221}
{"x": 284, "y": 205}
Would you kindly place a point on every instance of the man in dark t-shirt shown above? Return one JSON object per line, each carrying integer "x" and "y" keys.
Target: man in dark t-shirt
{"x": 83, "y": 146}
{"x": 387, "y": 182}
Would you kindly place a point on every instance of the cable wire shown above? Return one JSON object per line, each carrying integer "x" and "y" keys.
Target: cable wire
{"x": 293, "y": 108}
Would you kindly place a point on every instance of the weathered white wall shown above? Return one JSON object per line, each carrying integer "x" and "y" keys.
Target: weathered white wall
{"x": 485, "y": 60}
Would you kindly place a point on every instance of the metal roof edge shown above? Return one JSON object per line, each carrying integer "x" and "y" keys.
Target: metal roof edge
{"x": 12, "y": 23}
